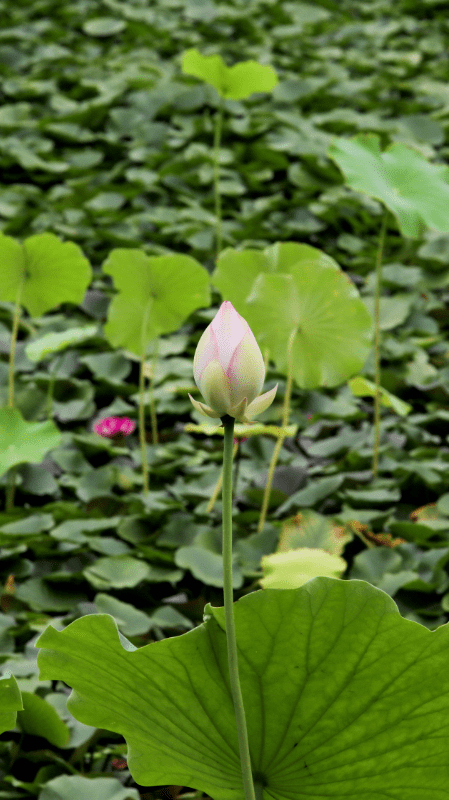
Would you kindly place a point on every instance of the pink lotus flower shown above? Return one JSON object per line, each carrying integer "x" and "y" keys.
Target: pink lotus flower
{"x": 114, "y": 426}
{"x": 228, "y": 369}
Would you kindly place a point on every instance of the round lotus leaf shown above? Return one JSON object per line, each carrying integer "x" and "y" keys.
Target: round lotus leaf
{"x": 413, "y": 189}
{"x": 156, "y": 294}
{"x": 343, "y": 697}
{"x": 292, "y": 288}
{"x": 52, "y": 272}
{"x": 233, "y": 83}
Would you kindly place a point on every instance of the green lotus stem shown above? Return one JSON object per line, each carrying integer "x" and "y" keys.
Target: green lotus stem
{"x": 12, "y": 352}
{"x": 236, "y": 692}
{"x": 216, "y": 158}
{"x": 258, "y": 787}
{"x": 282, "y": 436}
{"x": 379, "y": 255}
{"x": 10, "y": 489}
{"x": 11, "y": 478}
{"x": 216, "y": 491}
{"x": 152, "y": 406}
{"x": 142, "y": 439}
{"x": 51, "y": 384}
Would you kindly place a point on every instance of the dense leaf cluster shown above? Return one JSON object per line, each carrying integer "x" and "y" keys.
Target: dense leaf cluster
{"x": 105, "y": 142}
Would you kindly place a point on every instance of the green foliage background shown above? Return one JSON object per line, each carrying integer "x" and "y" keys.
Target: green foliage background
{"x": 103, "y": 141}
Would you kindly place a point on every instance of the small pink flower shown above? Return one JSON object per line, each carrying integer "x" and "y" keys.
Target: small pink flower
{"x": 243, "y": 439}
{"x": 114, "y": 426}
{"x": 119, "y": 763}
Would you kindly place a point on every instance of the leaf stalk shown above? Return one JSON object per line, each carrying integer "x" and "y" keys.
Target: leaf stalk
{"x": 379, "y": 255}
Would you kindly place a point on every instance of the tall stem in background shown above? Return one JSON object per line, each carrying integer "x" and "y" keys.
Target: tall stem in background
{"x": 280, "y": 441}
{"x": 379, "y": 255}
{"x": 236, "y": 692}
{"x": 58, "y": 360}
{"x": 152, "y": 406}
{"x": 216, "y": 156}
{"x": 11, "y": 478}
{"x": 142, "y": 437}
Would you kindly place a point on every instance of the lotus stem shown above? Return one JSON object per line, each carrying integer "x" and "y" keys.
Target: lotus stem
{"x": 231, "y": 641}
{"x": 142, "y": 437}
{"x": 216, "y": 159}
{"x": 217, "y": 489}
{"x": 152, "y": 406}
{"x": 11, "y": 478}
{"x": 283, "y": 435}
{"x": 379, "y": 255}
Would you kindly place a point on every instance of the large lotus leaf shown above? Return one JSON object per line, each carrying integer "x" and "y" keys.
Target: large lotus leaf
{"x": 52, "y": 272}
{"x": 10, "y": 702}
{"x": 237, "y": 270}
{"x": 333, "y": 327}
{"x": 156, "y": 295}
{"x": 291, "y": 286}
{"x": 415, "y": 191}
{"x": 232, "y": 83}
{"x": 22, "y": 441}
{"x": 344, "y": 698}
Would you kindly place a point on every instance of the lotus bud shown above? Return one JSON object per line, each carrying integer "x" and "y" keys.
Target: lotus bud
{"x": 228, "y": 369}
